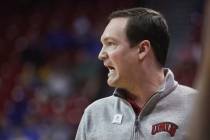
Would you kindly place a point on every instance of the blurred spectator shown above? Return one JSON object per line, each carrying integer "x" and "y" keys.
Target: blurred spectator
{"x": 84, "y": 36}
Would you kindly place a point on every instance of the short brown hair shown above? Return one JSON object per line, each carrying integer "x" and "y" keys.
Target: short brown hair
{"x": 146, "y": 24}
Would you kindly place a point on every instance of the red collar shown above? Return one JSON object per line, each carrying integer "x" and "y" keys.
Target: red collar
{"x": 135, "y": 107}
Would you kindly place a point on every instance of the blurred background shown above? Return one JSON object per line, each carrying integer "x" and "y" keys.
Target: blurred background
{"x": 49, "y": 70}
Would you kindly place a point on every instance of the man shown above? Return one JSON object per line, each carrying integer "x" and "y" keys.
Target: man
{"x": 147, "y": 102}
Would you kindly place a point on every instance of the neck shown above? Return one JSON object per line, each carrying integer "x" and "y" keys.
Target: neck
{"x": 147, "y": 85}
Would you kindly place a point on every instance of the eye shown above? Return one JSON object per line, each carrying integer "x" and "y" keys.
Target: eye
{"x": 110, "y": 43}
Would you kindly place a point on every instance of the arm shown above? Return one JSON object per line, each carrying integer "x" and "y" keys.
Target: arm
{"x": 81, "y": 131}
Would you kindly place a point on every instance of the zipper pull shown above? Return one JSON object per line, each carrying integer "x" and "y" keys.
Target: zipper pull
{"x": 136, "y": 125}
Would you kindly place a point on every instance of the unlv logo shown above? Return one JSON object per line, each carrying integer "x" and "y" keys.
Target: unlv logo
{"x": 164, "y": 127}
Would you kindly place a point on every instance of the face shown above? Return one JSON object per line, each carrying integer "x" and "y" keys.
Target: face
{"x": 117, "y": 54}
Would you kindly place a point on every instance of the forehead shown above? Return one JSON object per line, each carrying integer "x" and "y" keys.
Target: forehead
{"x": 115, "y": 29}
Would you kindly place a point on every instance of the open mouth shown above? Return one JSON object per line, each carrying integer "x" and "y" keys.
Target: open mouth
{"x": 110, "y": 68}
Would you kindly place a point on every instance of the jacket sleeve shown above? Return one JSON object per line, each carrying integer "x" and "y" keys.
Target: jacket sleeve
{"x": 81, "y": 131}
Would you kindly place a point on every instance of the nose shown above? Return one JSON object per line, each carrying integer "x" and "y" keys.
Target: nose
{"x": 102, "y": 54}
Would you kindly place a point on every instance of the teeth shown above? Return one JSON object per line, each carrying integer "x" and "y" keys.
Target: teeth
{"x": 110, "y": 72}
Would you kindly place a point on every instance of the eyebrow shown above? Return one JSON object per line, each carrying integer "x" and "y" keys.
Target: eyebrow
{"x": 108, "y": 38}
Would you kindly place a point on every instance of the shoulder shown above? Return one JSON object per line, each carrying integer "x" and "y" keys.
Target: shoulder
{"x": 101, "y": 104}
{"x": 99, "y": 111}
{"x": 183, "y": 96}
{"x": 186, "y": 91}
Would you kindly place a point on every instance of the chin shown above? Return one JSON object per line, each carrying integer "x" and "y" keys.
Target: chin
{"x": 110, "y": 84}
{"x": 113, "y": 83}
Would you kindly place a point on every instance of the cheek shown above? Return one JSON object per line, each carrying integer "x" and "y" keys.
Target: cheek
{"x": 119, "y": 54}
{"x": 117, "y": 59}
{"x": 120, "y": 63}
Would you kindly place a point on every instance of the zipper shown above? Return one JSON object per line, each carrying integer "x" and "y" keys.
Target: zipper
{"x": 136, "y": 128}
{"x": 136, "y": 121}
{"x": 136, "y": 125}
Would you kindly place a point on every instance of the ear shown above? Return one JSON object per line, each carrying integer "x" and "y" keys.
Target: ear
{"x": 143, "y": 48}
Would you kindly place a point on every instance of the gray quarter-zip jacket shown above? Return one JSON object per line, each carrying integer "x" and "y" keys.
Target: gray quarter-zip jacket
{"x": 163, "y": 117}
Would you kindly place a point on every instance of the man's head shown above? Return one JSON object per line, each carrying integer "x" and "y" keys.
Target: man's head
{"x": 130, "y": 33}
{"x": 146, "y": 24}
